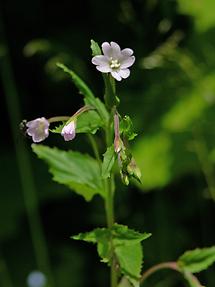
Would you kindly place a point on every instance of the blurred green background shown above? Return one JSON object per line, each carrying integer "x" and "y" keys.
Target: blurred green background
{"x": 170, "y": 96}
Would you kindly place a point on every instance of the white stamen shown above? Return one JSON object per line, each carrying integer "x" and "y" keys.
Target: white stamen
{"x": 114, "y": 64}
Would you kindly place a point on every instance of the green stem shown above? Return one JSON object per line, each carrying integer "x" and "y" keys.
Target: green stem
{"x": 66, "y": 118}
{"x": 23, "y": 162}
{"x": 109, "y": 183}
{"x": 169, "y": 265}
{"x": 58, "y": 119}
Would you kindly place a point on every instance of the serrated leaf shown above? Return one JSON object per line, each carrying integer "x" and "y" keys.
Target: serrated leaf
{"x": 90, "y": 99}
{"x": 130, "y": 259}
{"x": 126, "y": 244}
{"x": 129, "y": 253}
{"x": 125, "y": 236}
{"x": 95, "y": 48}
{"x": 197, "y": 260}
{"x": 108, "y": 162}
{"x": 79, "y": 172}
{"x": 101, "y": 236}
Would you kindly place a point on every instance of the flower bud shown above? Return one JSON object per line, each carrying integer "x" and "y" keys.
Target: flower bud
{"x": 133, "y": 169}
{"x": 68, "y": 131}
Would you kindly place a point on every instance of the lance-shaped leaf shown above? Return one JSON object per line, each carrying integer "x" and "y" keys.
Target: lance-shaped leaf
{"x": 95, "y": 48}
{"x": 79, "y": 172}
{"x": 197, "y": 260}
{"x": 89, "y": 97}
{"x": 126, "y": 245}
{"x": 108, "y": 162}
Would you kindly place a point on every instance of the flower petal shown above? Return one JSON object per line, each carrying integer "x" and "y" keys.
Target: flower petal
{"x": 38, "y": 129}
{"x": 104, "y": 68}
{"x": 124, "y": 73}
{"x": 127, "y": 52}
{"x": 127, "y": 62}
{"x": 68, "y": 131}
{"x": 116, "y": 51}
{"x": 116, "y": 76}
{"x": 107, "y": 49}
{"x": 100, "y": 60}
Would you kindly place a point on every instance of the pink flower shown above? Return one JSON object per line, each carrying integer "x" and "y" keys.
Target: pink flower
{"x": 38, "y": 129}
{"x": 114, "y": 60}
{"x": 68, "y": 131}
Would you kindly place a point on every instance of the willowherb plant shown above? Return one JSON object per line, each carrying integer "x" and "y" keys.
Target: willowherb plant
{"x": 117, "y": 245}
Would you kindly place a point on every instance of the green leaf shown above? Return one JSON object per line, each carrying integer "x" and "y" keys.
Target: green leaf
{"x": 108, "y": 162}
{"x": 100, "y": 107}
{"x": 101, "y": 236}
{"x": 130, "y": 260}
{"x": 95, "y": 48}
{"x": 197, "y": 260}
{"x": 125, "y": 236}
{"x": 128, "y": 251}
{"x": 126, "y": 128}
{"x": 88, "y": 122}
{"x": 126, "y": 244}
{"x": 79, "y": 172}
{"x": 202, "y": 11}
{"x": 90, "y": 99}
{"x": 83, "y": 88}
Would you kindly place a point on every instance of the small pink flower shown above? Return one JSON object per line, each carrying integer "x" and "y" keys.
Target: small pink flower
{"x": 38, "y": 129}
{"x": 114, "y": 60}
{"x": 68, "y": 131}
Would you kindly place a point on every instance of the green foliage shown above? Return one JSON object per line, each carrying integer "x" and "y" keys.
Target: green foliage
{"x": 197, "y": 260}
{"x": 95, "y": 48}
{"x": 89, "y": 97}
{"x": 79, "y": 172}
{"x": 83, "y": 88}
{"x": 108, "y": 161}
{"x": 124, "y": 242}
{"x": 88, "y": 122}
{"x": 127, "y": 129}
{"x": 154, "y": 159}
{"x": 201, "y": 10}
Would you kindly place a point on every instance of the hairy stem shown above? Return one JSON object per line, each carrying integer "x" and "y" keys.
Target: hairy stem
{"x": 169, "y": 265}
{"x": 109, "y": 184}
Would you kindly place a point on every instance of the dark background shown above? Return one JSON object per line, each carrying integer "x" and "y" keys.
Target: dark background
{"x": 170, "y": 97}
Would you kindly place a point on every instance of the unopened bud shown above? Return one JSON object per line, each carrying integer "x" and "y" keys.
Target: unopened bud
{"x": 133, "y": 169}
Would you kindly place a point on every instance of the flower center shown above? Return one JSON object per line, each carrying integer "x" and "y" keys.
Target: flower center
{"x": 114, "y": 64}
